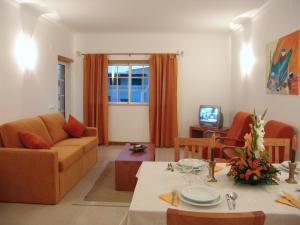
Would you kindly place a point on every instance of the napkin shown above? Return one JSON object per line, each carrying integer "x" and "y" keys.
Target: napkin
{"x": 168, "y": 198}
{"x": 292, "y": 199}
{"x": 218, "y": 168}
{"x": 284, "y": 201}
{"x": 288, "y": 199}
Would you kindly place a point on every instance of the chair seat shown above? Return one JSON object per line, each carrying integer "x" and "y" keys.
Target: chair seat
{"x": 68, "y": 155}
{"x": 88, "y": 143}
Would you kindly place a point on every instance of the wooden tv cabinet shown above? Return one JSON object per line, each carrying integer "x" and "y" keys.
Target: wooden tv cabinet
{"x": 196, "y": 131}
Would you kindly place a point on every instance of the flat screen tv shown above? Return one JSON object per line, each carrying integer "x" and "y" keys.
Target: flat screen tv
{"x": 210, "y": 115}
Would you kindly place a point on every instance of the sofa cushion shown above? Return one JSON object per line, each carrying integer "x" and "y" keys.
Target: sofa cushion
{"x": 68, "y": 155}
{"x": 87, "y": 143}
{"x": 74, "y": 128}
{"x": 10, "y": 131}
{"x": 34, "y": 141}
{"x": 54, "y": 123}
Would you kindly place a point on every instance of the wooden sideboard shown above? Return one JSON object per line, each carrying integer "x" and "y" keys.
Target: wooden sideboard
{"x": 196, "y": 131}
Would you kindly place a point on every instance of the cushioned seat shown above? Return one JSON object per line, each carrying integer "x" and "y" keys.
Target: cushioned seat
{"x": 67, "y": 155}
{"x": 88, "y": 143}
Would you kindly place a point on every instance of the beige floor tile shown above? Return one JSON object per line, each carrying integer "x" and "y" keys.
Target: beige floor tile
{"x": 65, "y": 213}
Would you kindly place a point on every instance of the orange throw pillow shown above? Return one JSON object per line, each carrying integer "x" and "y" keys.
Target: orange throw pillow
{"x": 74, "y": 127}
{"x": 34, "y": 141}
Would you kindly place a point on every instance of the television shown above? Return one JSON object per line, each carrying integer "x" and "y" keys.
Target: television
{"x": 211, "y": 116}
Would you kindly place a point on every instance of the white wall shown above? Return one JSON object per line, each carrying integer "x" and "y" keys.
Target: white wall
{"x": 279, "y": 18}
{"x": 28, "y": 94}
{"x": 203, "y": 76}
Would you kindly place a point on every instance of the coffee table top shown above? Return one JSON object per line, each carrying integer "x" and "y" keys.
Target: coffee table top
{"x": 147, "y": 155}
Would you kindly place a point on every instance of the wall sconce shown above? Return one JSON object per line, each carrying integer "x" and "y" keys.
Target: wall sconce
{"x": 25, "y": 48}
{"x": 246, "y": 58}
{"x": 26, "y": 51}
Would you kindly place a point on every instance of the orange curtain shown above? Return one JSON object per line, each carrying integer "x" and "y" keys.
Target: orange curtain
{"x": 95, "y": 94}
{"x": 163, "y": 99}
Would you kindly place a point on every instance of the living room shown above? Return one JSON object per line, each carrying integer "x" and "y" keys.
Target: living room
{"x": 209, "y": 39}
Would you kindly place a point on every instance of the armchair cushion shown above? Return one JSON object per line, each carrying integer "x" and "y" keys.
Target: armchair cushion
{"x": 10, "y": 131}
{"x": 54, "y": 123}
{"x": 240, "y": 126}
{"x": 88, "y": 143}
{"x": 74, "y": 128}
{"x": 33, "y": 141}
{"x": 67, "y": 156}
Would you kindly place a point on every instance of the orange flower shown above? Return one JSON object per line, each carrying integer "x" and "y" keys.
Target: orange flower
{"x": 256, "y": 171}
{"x": 248, "y": 141}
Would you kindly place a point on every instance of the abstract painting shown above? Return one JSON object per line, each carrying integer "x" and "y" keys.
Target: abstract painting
{"x": 283, "y": 65}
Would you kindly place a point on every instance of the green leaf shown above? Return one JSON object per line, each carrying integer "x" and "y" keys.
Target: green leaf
{"x": 265, "y": 154}
{"x": 264, "y": 114}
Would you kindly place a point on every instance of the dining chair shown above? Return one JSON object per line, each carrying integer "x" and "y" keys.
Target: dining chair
{"x": 279, "y": 149}
{"x": 200, "y": 148}
{"x": 180, "y": 217}
{"x": 194, "y": 147}
{"x": 234, "y": 136}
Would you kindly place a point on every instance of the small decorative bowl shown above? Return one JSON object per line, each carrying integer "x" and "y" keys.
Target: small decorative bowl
{"x": 137, "y": 147}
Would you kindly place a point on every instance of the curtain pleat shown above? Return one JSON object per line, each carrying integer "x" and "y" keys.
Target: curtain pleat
{"x": 163, "y": 99}
{"x": 95, "y": 94}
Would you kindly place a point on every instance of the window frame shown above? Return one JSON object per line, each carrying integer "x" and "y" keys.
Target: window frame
{"x": 62, "y": 96}
{"x": 129, "y": 63}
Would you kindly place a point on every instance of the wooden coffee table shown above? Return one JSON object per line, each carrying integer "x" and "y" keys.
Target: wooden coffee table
{"x": 127, "y": 165}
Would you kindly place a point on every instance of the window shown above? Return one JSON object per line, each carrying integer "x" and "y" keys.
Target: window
{"x": 129, "y": 83}
{"x": 61, "y": 74}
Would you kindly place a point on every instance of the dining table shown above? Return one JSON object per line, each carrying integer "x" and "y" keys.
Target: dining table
{"x": 154, "y": 180}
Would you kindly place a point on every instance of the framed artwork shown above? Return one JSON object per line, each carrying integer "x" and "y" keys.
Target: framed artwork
{"x": 283, "y": 65}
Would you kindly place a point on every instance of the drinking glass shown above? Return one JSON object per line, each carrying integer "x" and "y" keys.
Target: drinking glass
{"x": 187, "y": 168}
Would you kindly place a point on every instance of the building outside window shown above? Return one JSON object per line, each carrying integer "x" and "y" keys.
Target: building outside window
{"x": 61, "y": 72}
{"x": 128, "y": 84}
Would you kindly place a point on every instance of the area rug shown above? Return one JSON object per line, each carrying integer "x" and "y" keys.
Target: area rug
{"x": 103, "y": 192}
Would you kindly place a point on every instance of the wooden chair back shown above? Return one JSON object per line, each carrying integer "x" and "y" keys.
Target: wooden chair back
{"x": 194, "y": 147}
{"x": 179, "y": 217}
{"x": 276, "y": 145}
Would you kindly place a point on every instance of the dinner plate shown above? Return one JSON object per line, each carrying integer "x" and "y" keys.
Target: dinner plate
{"x": 196, "y": 162}
{"x": 200, "y": 194}
{"x": 286, "y": 164}
{"x": 216, "y": 202}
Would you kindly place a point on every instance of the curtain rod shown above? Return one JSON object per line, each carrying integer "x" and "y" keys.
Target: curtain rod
{"x": 179, "y": 53}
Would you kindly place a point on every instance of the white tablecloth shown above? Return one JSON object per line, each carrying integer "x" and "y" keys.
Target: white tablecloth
{"x": 147, "y": 209}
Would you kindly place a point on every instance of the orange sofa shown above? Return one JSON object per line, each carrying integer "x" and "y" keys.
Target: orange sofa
{"x": 43, "y": 175}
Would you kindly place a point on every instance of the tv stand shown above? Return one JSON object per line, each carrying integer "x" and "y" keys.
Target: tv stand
{"x": 196, "y": 131}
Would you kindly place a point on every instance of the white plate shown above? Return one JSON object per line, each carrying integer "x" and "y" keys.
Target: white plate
{"x": 286, "y": 164}
{"x": 200, "y": 194}
{"x": 218, "y": 201}
{"x": 287, "y": 170}
{"x": 179, "y": 168}
{"x": 196, "y": 162}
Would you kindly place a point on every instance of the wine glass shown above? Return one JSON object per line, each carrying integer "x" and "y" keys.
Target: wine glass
{"x": 187, "y": 168}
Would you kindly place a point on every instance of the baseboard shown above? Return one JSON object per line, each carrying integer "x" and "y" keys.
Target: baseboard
{"x": 125, "y": 142}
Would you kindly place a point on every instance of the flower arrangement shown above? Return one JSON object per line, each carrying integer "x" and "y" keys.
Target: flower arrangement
{"x": 253, "y": 167}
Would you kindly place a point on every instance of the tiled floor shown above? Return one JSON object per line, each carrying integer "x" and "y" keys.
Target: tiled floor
{"x": 65, "y": 213}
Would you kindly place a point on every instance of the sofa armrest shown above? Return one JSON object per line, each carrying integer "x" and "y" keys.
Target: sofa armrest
{"x": 29, "y": 176}
{"x": 90, "y": 132}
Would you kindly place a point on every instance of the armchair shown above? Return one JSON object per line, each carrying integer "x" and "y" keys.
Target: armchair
{"x": 273, "y": 130}
{"x": 234, "y": 135}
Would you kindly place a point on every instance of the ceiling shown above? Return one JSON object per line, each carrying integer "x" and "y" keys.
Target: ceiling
{"x": 147, "y": 15}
